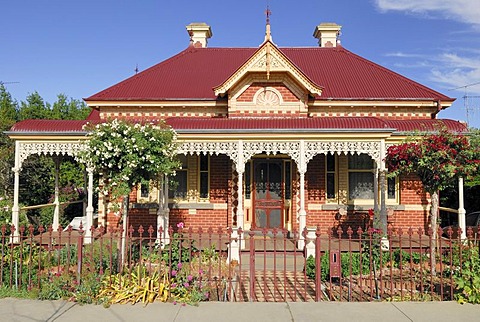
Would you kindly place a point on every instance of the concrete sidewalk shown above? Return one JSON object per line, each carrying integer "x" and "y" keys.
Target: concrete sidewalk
{"x": 59, "y": 311}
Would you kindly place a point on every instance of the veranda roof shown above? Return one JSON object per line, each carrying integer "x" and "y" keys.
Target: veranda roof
{"x": 256, "y": 125}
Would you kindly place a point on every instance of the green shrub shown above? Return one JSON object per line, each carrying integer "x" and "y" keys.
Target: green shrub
{"x": 64, "y": 286}
{"x": 352, "y": 263}
{"x": 467, "y": 278}
{"x": 180, "y": 250}
{"x": 20, "y": 265}
{"x": 324, "y": 267}
{"x": 57, "y": 286}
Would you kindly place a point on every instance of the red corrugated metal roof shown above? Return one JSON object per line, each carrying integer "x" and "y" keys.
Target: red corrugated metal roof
{"x": 94, "y": 115}
{"x": 57, "y": 126}
{"x": 194, "y": 72}
{"x": 426, "y": 125}
{"x": 318, "y": 123}
{"x": 251, "y": 124}
{"x": 49, "y": 126}
{"x": 191, "y": 74}
{"x": 345, "y": 75}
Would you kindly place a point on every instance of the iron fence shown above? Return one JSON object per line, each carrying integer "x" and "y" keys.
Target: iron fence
{"x": 218, "y": 264}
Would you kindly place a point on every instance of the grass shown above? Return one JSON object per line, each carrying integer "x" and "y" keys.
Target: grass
{"x": 6, "y": 291}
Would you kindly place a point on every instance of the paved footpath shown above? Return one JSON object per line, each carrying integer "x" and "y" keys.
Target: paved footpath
{"x": 59, "y": 311}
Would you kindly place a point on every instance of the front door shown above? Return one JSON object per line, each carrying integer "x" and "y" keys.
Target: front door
{"x": 268, "y": 196}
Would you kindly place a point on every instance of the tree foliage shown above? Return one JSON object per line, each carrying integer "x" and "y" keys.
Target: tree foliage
{"x": 34, "y": 107}
{"x": 437, "y": 159}
{"x": 37, "y": 175}
{"x": 127, "y": 154}
{"x": 8, "y": 109}
{"x": 8, "y": 117}
{"x": 68, "y": 109}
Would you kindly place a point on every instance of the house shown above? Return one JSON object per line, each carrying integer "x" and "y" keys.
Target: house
{"x": 269, "y": 137}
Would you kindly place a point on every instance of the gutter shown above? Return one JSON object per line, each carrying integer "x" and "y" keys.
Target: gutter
{"x": 313, "y": 130}
{"x": 37, "y": 133}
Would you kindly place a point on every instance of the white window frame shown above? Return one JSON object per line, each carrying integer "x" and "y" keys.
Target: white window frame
{"x": 335, "y": 177}
{"x": 361, "y": 170}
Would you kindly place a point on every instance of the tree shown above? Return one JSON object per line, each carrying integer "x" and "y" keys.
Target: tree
{"x": 126, "y": 155}
{"x": 8, "y": 117}
{"x": 34, "y": 108}
{"x": 69, "y": 109}
{"x": 8, "y": 110}
{"x": 37, "y": 179}
{"x": 475, "y": 143}
{"x": 438, "y": 160}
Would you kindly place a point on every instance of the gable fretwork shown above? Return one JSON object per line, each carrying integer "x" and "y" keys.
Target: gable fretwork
{"x": 268, "y": 84}
{"x": 278, "y": 96}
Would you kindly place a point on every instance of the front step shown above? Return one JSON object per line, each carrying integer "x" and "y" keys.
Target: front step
{"x": 279, "y": 286}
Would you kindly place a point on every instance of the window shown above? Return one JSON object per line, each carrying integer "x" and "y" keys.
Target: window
{"x": 203, "y": 176}
{"x": 144, "y": 191}
{"x": 360, "y": 177}
{"x": 392, "y": 188}
{"x": 178, "y": 183}
{"x": 331, "y": 169}
{"x": 288, "y": 180}
{"x": 248, "y": 178}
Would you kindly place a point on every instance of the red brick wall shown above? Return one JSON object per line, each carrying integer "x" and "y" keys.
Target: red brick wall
{"x": 220, "y": 174}
{"x": 409, "y": 219}
{"x": 323, "y": 218}
{"x": 142, "y": 217}
{"x": 113, "y": 220}
{"x": 315, "y": 180}
{"x": 248, "y": 95}
{"x": 411, "y": 191}
{"x": 202, "y": 218}
{"x": 328, "y": 220}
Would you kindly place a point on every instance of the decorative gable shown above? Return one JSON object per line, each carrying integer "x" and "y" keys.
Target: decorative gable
{"x": 268, "y": 59}
{"x": 279, "y": 96}
{"x": 268, "y": 83}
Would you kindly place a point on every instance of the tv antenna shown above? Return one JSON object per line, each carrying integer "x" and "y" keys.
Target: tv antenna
{"x": 469, "y": 100}
{"x": 4, "y": 83}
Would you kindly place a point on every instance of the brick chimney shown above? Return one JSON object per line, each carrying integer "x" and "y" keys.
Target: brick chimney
{"x": 327, "y": 34}
{"x": 199, "y": 33}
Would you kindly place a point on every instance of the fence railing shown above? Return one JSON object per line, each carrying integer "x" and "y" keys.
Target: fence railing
{"x": 219, "y": 264}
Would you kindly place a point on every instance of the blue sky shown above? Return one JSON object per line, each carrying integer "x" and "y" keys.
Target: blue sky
{"x": 81, "y": 47}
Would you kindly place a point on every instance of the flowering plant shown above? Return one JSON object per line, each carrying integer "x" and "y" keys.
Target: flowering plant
{"x": 127, "y": 154}
{"x": 438, "y": 159}
{"x": 187, "y": 285}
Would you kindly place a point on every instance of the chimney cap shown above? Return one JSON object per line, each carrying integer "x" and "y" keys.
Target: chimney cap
{"x": 326, "y": 26}
{"x": 200, "y": 26}
{"x": 199, "y": 33}
{"x": 327, "y": 34}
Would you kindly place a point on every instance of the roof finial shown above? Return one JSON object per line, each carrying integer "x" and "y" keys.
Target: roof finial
{"x": 267, "y": 29}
